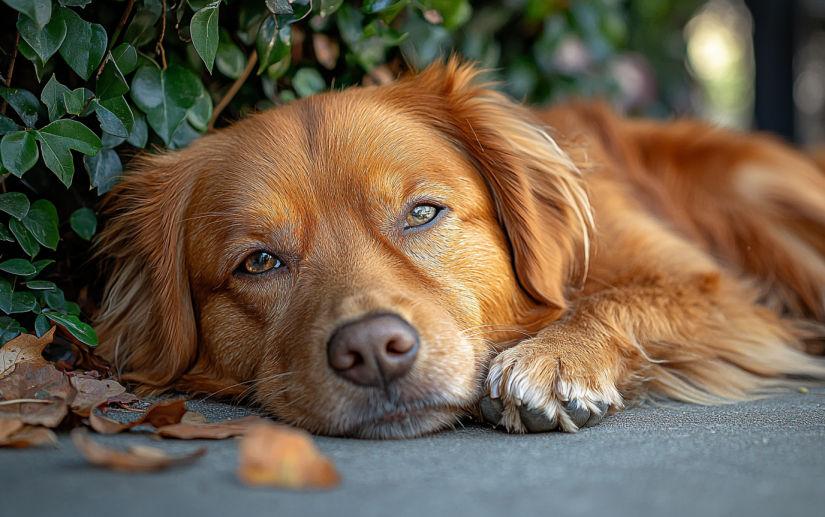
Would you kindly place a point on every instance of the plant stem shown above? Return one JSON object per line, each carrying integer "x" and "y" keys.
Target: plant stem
{"x": 250, "y": 64}
{"x": 159, "y": 46}
{"x": 11, "y": 67}
{"x": 121, "y": 23}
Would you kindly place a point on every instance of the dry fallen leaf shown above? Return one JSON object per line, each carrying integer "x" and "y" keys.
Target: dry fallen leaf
{"x": 159, "y": 415}
{"x": 279, "y": 456}
{"x": 433, "y": 16}
{"x": 326, "y": 50}
{"x": 217, "y": 431}
{"x": 25, "y": 348}
{"x": 137, "y": 459}
{"x": 28, "y": 436}
{"x": 35, "y": 394}
{"x": 9, "y": 428}
{"x": 92, "y": 392}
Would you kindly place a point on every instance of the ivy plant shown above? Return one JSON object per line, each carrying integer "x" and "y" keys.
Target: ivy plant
{"x": 85, "y": 85}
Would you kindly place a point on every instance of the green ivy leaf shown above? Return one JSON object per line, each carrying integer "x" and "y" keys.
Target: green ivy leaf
{"x": 5, "y": 234}
{"x": 109, "y": 141}
{"x": 200, "y": 114}
{"x": 15, "y": 204}
{"x": 5, "y": 303}
{"x": 73, "y": 309}
{"x": 142, "y": 29}
{"x": 41, "y": 325}
{"x": 7, "y": 125}
{"x": 279, "y": 6}
{"x": 40, "y": 11}
{"x": 230, "y": 58}
{"x": 83, "y": 332}
{"x": 300, "y": 10}
{"x": 273, "y": 44}
{"x": 19, "y": 267}
{"x": 140, "y": 133}
{"x": 126, "y": 58}
{"x": 75, "y": 3}
{"x": 55, "y": 299}
{"x": 48, "y": 207}
{"x": 19, "y": 151}
{"x": 84, "y": 223}
{"x": 22, "y": 301}
{"x": 52, "y": 97}
{"x": 308, "y": 81}
{"x": 43, "y": 228}
{"x": 24, "y": 238}
{"x": 329, "y": 6}
{"x": 43, "y": 40}
{"x": 23, "y": 102}
{"x": 185, "y": 134}
{"x": 40, "y": 67}
{"x": 110, "y": 82}
{"x": 205, "y": 36}
{"x": 165, "y": 96}
{"x": 41, "y": 285}
{"x": 115, "y": 116}
{"x": 84, "y": 48}
{"x": 103, "y": 169}
{"x": 77, "y": 101}
{"x": 58, "y": 138}
{"x": 40, "y": 265}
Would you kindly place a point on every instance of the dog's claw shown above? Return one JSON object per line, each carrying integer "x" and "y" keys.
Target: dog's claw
{"x": 491, "y": 410}
{"x": 536, "y": 421}
{"x": 578, "y": 412}
{"x": 595, "y": 418}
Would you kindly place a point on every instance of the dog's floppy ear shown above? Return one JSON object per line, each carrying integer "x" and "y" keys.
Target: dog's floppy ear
{"x": 146, "y": 324}
{"x": 537, "y": 189}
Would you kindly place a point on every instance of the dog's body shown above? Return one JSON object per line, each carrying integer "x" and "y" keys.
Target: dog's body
{"x": 568, "y": 261}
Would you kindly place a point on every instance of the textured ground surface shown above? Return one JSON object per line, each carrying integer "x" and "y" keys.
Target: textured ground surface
{"x": 754, "y": 459}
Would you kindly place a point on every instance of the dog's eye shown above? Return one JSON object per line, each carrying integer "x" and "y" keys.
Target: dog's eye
{"x": 261, "y": 262}
{"x": 421, "y": 214}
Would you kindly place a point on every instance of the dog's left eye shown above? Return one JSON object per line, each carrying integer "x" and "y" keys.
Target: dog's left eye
{"x": 421, "y": 214}
{"x": 261, "y": 262}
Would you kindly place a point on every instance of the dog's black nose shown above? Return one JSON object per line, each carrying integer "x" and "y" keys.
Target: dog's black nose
{"x": 374, "y": 350}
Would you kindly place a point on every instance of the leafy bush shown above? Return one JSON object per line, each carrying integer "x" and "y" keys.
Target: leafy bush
{"x": 107, "y": 79}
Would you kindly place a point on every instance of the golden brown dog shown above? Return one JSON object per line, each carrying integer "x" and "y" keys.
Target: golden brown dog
{"x": 378, "y": 262}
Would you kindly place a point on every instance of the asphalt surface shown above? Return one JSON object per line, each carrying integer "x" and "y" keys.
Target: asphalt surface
{"x": 752, "y": 459}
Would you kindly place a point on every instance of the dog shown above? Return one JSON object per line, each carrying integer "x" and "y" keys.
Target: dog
{"x": 382, "y": 261}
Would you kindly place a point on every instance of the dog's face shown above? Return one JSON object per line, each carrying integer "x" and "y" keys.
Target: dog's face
{"x": 353, "y": 258}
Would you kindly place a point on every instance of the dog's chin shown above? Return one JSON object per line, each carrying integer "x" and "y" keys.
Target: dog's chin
{"x": 384, "y": 419}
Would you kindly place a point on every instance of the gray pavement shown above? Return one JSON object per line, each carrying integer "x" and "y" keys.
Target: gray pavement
{"x": 762, "y": 458}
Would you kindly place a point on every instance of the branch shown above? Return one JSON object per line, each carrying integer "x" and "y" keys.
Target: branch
{"x": 253, "y": 58}
{"x": 11, "y": 68}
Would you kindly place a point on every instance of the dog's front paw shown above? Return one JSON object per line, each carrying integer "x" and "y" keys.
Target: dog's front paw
{"x": 548, "y": 383}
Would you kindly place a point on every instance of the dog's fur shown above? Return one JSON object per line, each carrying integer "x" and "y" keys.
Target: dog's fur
{"x": 579, "y": 257}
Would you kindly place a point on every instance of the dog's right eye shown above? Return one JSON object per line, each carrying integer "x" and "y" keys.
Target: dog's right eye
{"x": 261, "y": 262}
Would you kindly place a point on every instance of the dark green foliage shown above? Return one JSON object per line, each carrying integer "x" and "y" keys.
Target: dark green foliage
{"x": 154, "y": 81}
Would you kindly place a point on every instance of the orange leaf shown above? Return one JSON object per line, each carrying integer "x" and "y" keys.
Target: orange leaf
{"x": 279, "y": 456}
{"x": 216, "y": 431}
{"x": 136, "y": 459}
{"x": 29, "y": 436}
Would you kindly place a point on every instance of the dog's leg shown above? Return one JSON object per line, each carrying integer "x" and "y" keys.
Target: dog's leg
{"x": 657, "y": 314}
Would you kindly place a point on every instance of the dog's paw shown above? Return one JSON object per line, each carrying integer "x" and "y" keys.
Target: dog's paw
{"x": 544, "y": 384}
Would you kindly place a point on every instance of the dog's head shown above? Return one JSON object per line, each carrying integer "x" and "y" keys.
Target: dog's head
{"x": 355, "y": 258}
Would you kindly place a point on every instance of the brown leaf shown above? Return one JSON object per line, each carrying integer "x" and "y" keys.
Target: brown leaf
{"x": 279, "y": 456}
{"x": 29, "y": 436}
{"x": 123, "y": 399}
{"x": 216, "y": 431}
{"x": 159, "y": 415}
{"x": 326, "y": 50}
{"x": 31, "y": 381}
{"x": 137, "y": 459}
{"x": 92, "y": 392}
{"x": 25, "y": 348}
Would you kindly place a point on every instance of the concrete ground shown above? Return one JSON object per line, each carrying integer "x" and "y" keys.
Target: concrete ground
{"x": 751, "y": 459}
